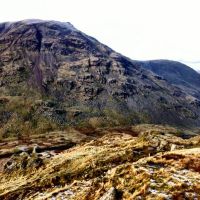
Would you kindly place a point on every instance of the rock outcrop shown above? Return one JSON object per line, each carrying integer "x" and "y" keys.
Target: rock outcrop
{"x": 122, "y": 164}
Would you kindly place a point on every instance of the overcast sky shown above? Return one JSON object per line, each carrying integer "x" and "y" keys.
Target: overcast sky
{"x": 139, "y": 29}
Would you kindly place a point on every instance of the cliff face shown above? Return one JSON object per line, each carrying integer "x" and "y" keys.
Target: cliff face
{"x": 60, "y": 74}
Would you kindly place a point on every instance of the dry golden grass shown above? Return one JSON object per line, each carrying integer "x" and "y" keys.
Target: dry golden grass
{"x": 140, "y": 166}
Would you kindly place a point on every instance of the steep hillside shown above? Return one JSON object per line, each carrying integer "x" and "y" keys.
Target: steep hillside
{"x": 53, "y": 75}
{"x": 176, "y": 73}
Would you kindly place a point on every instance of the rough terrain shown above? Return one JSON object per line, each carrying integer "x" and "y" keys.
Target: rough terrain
{"x": 139, "y": 162}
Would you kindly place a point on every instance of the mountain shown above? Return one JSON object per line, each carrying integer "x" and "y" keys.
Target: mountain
{"x": 53, "y": 75}
{"x": 176, "y": 73}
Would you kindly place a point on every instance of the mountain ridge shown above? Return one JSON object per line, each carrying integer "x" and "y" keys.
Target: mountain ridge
{"x": 69, "y": 77}
{"x": 176, "y": 73}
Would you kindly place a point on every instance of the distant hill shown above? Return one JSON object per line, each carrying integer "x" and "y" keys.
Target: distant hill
{"x": 176, "y": 73}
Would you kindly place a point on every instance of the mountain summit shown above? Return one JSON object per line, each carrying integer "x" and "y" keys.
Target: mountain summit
{"x": 51, "y": 73}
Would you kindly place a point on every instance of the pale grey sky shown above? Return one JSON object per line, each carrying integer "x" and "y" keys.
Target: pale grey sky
{"x": 139, "y": 29}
